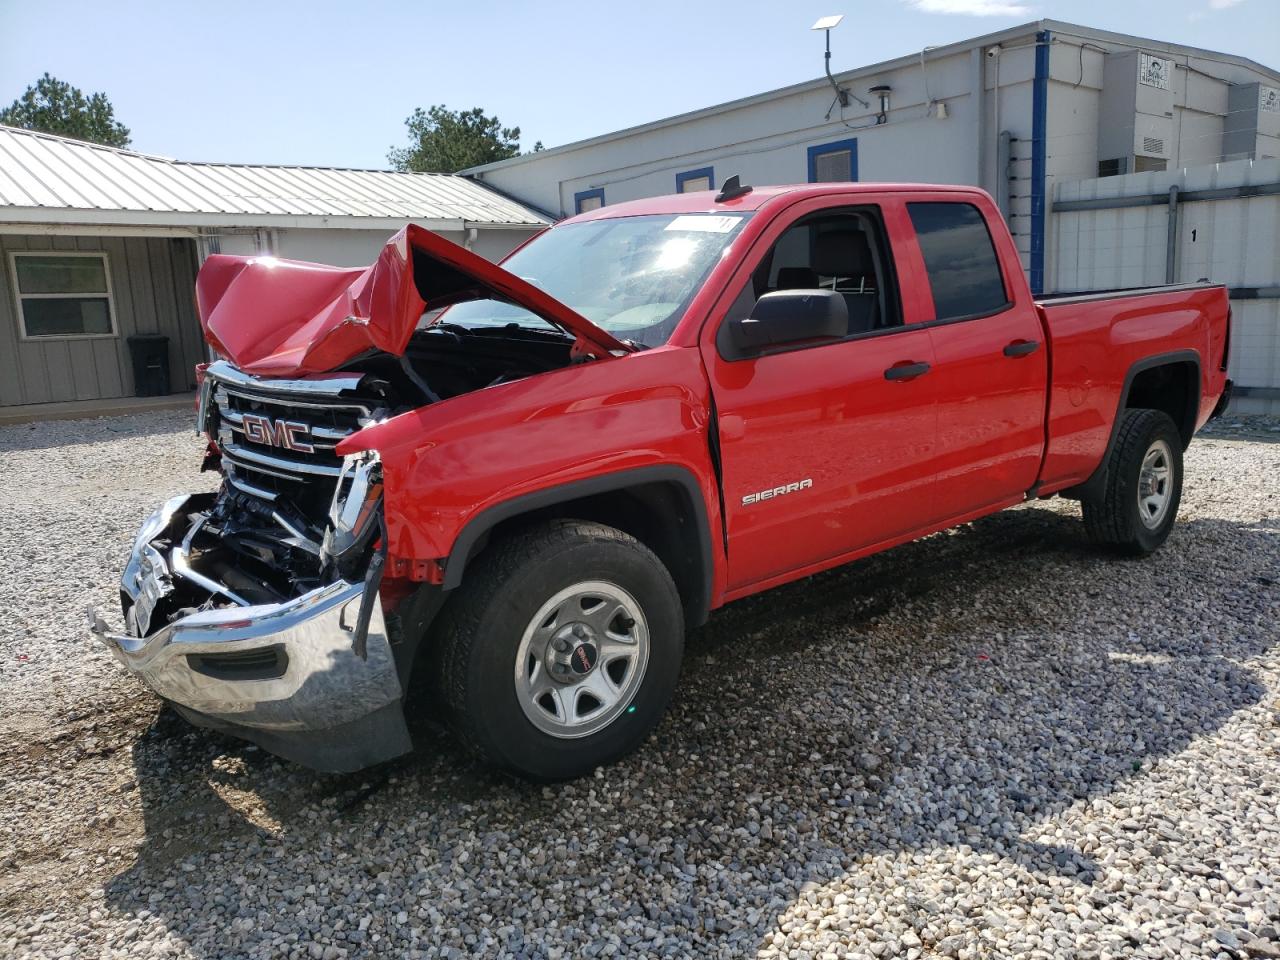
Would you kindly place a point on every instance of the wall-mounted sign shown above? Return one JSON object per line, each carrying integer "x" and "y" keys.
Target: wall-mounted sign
{"x": 1155, "y": 72}
{"x": 1268, "y": 99}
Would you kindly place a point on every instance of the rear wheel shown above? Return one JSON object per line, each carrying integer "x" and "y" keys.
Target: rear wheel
{"x": 562, "y": 649}
{"x": 1139, "y": 504}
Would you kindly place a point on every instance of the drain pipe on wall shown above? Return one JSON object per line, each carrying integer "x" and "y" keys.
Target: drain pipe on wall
{"x": 1171, "y": 240}
{"x": 1004, "y": 157}
{"x": 208, "y": 242}
{"x": 469, "y": 235}
{"x": 993, "y": 54}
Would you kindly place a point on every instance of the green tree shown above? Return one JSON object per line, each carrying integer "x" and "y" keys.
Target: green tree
{"x": 52, "y": 106}
{"x": 446, "y": 141}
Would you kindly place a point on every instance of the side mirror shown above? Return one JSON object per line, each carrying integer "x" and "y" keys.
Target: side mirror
{"x": 791, "y": 316}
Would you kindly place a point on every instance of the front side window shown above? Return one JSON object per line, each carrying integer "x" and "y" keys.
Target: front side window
{"x": 960, "y": 259}
{"x": 63, "y": 295}
{"x": 841, "y": 251}
{"x": 630, "y": 276}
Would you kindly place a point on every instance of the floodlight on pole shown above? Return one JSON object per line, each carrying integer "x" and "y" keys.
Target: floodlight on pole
{"x": 826, "y": 25}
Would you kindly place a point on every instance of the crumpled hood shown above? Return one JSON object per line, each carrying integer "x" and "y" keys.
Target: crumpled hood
{"x": 275, "y": 317}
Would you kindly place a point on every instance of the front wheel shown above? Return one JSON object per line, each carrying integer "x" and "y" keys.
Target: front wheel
{"x": 1139, "y": 503}
{"x": 562, "y": 649}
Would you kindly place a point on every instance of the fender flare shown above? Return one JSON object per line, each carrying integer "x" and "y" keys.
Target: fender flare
{"x": 491, "y": 516}
{"x": 1094, "y": 486}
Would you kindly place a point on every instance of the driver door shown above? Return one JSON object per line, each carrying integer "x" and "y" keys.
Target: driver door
{"x": 824, "y": 450}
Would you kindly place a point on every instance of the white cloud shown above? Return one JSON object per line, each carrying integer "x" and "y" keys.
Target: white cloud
{"x": 1214, "y": 6}
{"x": 985, "y": 8}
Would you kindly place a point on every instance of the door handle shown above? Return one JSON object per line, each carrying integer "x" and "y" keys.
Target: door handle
{"x": 1021, "y": 348}
{"x": 906, "y": 371}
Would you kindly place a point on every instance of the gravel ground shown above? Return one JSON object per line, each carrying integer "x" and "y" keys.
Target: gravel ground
{"x": 993, "y": 742}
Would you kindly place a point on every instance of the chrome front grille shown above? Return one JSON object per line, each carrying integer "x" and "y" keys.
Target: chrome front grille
{"x": 275, "y": 434}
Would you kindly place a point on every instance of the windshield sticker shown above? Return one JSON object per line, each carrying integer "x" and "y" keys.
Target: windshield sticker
{"x": 701, "y": 223}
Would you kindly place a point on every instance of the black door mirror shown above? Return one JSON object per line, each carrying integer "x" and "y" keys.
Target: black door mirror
{"x": 790, "y": 316}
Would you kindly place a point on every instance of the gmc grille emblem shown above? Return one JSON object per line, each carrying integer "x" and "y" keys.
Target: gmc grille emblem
{"x": 286, "y": 434}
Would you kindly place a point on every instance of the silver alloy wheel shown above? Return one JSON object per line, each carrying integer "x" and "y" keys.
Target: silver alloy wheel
{"x": 1155, "y": 484}
{"x": 581, "y": 659}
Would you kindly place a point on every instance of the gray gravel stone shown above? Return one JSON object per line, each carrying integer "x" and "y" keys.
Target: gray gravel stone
{"x": 994, "y": 742}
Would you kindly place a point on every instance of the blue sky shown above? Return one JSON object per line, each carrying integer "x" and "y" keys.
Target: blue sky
{"x": 330, "y": 83}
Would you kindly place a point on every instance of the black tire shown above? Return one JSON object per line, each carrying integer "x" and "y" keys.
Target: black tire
{"x": 481, "y": 629}
{"x": 1116, "y": 518}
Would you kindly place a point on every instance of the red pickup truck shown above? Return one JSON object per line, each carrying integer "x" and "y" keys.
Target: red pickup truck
{"x": 522, "y": 484}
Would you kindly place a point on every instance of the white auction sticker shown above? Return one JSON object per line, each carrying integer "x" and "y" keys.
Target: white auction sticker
{"x": 702, "y": 223}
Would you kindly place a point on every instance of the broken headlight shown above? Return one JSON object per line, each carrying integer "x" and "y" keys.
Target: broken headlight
{"x": 353, "y": 513}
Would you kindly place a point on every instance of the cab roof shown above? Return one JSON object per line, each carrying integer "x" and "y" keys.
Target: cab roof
{"x": 704, "y": 201}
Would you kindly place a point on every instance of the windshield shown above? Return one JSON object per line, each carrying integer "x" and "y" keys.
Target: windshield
{"x": 630, "y": 276}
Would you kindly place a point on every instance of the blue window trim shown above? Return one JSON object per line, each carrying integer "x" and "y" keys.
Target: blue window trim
{"x": 586, "y": 195}
{"x": 1039, "y": 116}
{"x": 818, "y": 150}
{"x": 708, "y": 172}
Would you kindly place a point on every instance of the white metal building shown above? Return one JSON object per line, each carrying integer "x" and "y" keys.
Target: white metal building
{"x": 1014, "y": 112}
{"x": 99, "y": 244}
{"x": 1220, "y": 221}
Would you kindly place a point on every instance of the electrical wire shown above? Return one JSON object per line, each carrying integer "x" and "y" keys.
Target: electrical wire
{"x": 924, "y": 76}
{"x": 1092, "y": 46}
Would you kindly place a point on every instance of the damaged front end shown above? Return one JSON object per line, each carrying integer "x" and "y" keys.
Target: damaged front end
{"x": 256, "y": 609}
{"x": 260, "y": 609}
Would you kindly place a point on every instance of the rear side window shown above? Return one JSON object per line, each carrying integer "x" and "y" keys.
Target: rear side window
{"x": 960, "y": 259}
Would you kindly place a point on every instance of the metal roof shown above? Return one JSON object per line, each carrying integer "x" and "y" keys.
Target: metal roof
{"x": 50, "y": 179}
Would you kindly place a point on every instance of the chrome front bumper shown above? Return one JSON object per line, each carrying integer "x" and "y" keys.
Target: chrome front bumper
{"x": 286, "y": 676}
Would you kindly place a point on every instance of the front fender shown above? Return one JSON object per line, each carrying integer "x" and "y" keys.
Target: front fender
{"x": 446, "y": 464}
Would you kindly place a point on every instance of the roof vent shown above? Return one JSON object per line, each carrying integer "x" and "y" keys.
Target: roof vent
{"x": 732, "y": 190}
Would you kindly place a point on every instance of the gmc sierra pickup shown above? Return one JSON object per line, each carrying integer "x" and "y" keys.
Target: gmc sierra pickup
{"x": 521, "y": 484}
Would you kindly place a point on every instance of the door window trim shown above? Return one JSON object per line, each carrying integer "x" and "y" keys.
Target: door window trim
{"x": 969, "y": 318}
{"x": 791, "y": 348}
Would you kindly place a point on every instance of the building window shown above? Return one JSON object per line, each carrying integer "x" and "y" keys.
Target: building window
{"x": 1115, "y": 167}
{"x": 704, "y": 178}
{"x": 588, "y": 200}
{"x": 834, "y": 162}
{"x": 63, "y": 294}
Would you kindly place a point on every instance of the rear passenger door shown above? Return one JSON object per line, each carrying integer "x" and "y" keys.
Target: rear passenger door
{"x": 991, "y": 368}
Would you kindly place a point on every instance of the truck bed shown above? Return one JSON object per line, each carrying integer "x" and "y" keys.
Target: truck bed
{"x": 1100, "y": 344}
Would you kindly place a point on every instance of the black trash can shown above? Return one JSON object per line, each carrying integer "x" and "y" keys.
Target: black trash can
{"x": 150, "y": 352}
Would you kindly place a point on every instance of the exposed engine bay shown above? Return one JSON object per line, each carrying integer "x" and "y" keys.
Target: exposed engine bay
{"x": 291, "y": 514}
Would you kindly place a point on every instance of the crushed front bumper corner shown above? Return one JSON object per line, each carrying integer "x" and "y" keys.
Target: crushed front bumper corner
{"x": 285, "y": 676}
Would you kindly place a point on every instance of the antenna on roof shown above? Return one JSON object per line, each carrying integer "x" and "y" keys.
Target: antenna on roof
{"x": 826, "y": 25}
{"x": 732, "y": 190}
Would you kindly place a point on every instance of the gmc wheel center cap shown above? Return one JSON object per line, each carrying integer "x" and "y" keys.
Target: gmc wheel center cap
{"x": 583, "y": 659}
{"x": 572, "y": 653}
